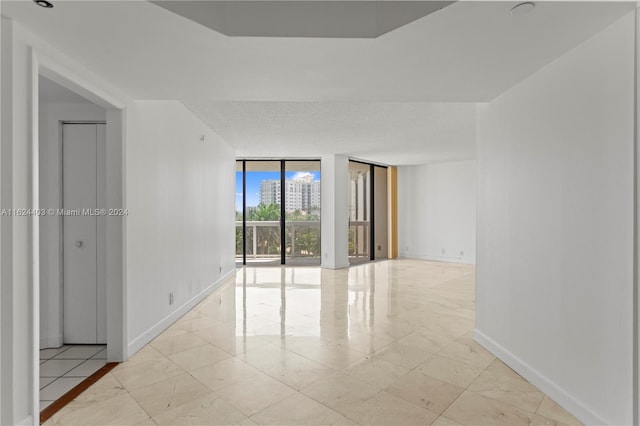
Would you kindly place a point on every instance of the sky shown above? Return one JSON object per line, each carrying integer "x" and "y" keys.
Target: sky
{"x": 254, "y": 179}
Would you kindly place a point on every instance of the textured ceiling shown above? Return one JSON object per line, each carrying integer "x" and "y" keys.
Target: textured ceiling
{"x": 384, "y": 132}
{"x": 394, "y": 99}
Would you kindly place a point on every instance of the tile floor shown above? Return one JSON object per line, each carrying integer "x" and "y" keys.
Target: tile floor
{"x": 61, "y": 369}
{"x": 387, "y": 343}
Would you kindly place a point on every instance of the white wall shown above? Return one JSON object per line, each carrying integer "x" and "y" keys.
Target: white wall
{"x": 180, "y": 227}
{"x": 437, "y": 211}
{"x": 555, "y": 227}
{"x": 51, "y": 114}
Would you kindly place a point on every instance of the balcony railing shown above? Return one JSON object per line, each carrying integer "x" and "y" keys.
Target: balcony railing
{"x": 359, "y": 239}
{"x": 263, "y": 239}
{"x": 302, "y": 239}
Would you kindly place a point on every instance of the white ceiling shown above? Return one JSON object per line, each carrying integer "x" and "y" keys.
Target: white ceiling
{"x": 52, "y": 92}
{"x": 384, "y": 132}
{"x": 357, "y": 96}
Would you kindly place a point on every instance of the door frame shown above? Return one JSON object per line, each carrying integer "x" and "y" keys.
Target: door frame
{"x": 54, "y": 68}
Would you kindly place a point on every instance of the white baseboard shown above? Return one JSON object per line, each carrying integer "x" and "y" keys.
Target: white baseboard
{"x": 461, "y": 260}
{"x": 139, "y": 342}
{"x": 555, "y": 392}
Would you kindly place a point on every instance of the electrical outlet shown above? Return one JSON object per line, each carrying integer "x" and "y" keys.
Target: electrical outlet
{"x": 443, "y": 251}
{"x": 461, "y": 253}
{"x": 171, "y": 298}
{"x": 379, "y": 247}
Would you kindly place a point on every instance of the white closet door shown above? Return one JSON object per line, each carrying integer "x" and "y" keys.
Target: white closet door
{"x": 82, "y": 313}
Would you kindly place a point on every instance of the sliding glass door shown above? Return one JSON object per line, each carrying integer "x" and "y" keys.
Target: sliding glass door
{"x": 368, "y": 215}
{"x": 359, "y": 212}
{"x": 278, "y": 212}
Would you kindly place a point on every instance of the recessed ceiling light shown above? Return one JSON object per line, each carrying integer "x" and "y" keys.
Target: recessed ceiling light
{"x": 43, "y": 3}
{"x": 523, "y": 8}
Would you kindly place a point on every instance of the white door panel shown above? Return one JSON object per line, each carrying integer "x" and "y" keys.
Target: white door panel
{"x": 82, "y": 318}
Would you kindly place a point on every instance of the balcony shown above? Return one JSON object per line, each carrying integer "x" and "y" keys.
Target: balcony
{"x": 302, "y": 241}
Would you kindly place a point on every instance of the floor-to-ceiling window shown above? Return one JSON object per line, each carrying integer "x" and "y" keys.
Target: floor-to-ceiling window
{"x": 278, "y": 212}
{"x": 302, "y": 212}
{"x": 368, "y": 218}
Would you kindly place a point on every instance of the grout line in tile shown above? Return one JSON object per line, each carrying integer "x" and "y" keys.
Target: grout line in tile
{"x": 461, "y": 393}
{"x": 539, "y": 403}
{"x": 82, "y": 363}
{"x": 64, "y": 375}
{"x": 65, "y": 371}
{"x": 70, "y": 359}
{"x": 66, "y": 349}
{"x": 51, "y": 357}
{"x": 49, "y": 384}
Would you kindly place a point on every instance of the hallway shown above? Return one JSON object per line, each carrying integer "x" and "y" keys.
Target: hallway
{"x": 385, "y": 343}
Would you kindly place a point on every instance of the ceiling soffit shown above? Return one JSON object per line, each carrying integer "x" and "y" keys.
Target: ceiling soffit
{"x": 305, "y": 19}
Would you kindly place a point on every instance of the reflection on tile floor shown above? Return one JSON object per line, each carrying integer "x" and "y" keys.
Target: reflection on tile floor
{"x": 385, "y": 343}
{"x": 61, "y": 369}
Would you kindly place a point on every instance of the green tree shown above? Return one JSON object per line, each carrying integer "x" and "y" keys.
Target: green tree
{"x": 307, "y": 241}
{"x": 296, "y": 215}
{"x": 313, "y": 214}
{"x": 268, "y": 237}
{"x": 265, "y": 212}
